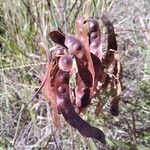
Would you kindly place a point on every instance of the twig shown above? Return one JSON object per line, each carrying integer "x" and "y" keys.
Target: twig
{"x": 16, "y": 132}
{"x": 49, "y": 138}
{"x": 133, "y": 126}
{"x": 51, "y": 12}
{"x": 129, "y": 127}
{"x": 29, "y": 11}
{"x": 21, "y": 66}
{"x": 138, "y": 131}
{"x": 69, "y": 13}
{"x": 135, "y": 105}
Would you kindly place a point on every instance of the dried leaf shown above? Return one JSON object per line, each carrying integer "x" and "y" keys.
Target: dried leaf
{"x": 49, "y": 93}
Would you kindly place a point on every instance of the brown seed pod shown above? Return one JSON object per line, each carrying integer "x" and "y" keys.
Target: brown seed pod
{"x": 84, "y": 77}
{"x": 85, "y": 66}
{"x": 65, "y": 62}
{"x": 66, "y": 108}
{"x": 112, "y": 43}
{"x": 94, "y": 37}
{"x": 95, "y": 42}
{"x": 58, "y": 37}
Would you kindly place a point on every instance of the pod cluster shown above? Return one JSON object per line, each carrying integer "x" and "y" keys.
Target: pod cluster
{"x": 95, "y": 71}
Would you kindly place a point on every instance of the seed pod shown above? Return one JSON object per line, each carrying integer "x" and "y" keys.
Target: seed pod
{"x": 58, "y": 37}
{"x": 112, "y": 43}
{"x": 65, "y": 62}
{"x": 95, "y": 48}
{"x": 66, "y": 108}
{"x": 85, "y": 66}
{"x": 94, "y": 38}
{"x": 84, "y": 78}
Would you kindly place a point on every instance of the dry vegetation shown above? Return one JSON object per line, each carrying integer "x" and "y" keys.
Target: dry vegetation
{"x": 26, "y": 124}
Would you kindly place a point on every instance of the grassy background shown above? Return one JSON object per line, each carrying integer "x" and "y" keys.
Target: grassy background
{"x": 23, "y": 24}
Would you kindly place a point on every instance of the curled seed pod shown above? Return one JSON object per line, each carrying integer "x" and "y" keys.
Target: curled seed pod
{"x": 58, "y": 37}
{"x": 65, "y": 62}
{"x": 66, "y": 108}
{"x": 85, "y": 66}
{"x": 84, "y": 77}
{"x": 91, "y": 37}
{"x": 112, "y": 43}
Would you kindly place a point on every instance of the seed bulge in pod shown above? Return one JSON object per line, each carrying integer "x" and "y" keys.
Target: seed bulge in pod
{"x": 61, "y": 89}
{"x": 65, "y": 62}
{"x": 76, "y": 46}
{"x": 93, "y": 25}
{"x": 73, "y": 44}
{"x": 64, "y": 78}
{"x": 93, "y": 35}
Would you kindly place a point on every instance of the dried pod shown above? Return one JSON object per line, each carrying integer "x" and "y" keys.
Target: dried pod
{"x": 84, "y": 78}
{"x": 66, "y": 108}
{"x": 94, "y": 38}
{"x": 58, "y": 37}
{"x": 65, "y": 62}
{"x": 95, "y": 43}
{"x": 85, "y": 66}
{"x": 112, "y": 43}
